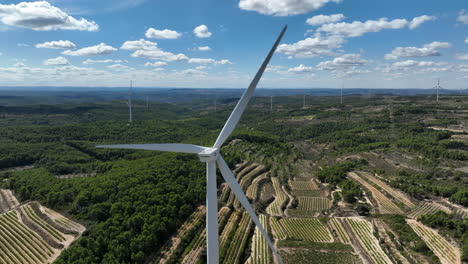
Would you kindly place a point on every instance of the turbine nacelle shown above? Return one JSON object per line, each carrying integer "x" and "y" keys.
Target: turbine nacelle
{"x": 208, "y": 154}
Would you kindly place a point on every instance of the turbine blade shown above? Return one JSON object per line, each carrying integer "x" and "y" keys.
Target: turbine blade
{"x": 184, "y": 148}
{"x": 237, "y": 190}
{"x": 233, "y": 119}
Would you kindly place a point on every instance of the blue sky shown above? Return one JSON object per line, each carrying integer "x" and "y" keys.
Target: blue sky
{"x": 212, "y": 43}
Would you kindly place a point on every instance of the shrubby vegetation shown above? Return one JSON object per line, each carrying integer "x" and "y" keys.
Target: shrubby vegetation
{"x": 336, "y": 175}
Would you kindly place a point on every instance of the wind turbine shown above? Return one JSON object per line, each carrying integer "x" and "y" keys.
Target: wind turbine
{"x": 129, "y": 103}
{"x": 437, "y": 87}
{"x": 212, "y": 157}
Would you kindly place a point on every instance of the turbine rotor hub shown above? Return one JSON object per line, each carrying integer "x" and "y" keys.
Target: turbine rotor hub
{"x": 208, "y": 154}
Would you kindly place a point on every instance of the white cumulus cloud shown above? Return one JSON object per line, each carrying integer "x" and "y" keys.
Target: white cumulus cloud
{"x": 162, "y": 34}
{"x": 463, "y": 17}
{"x": 301, "y": 69}
{"x": 118, "y": 67}
{"x": 89, "y": 62}
{"x": 156, "y": 64}
{"x": 19, "y": 65}
{"x": 466, "y": 40}
{"x": 159, "y": 55}
{"x": 413, "y": 63}
{"x": 312, "y": 47}
{"x": 202, "y": 31}
{"x": 417, "y": 21}
{"x": 428, "y": 50}
{"x": 342, "y": 62}
{"x": 358, "y": 28}
{"x": 41, "y": 15}
{"x": 283, "y": 7}
{"x": 204, "y": 48}
{"x": 140, "y": 44}
{"x": 100, "y": 49}
{"x": 324, "y": 19}
{"x": 58, "y": 44}
{"x": 56, "y": 61}
{"x": 208, "y": 61}
{"x": 462, "y": 56}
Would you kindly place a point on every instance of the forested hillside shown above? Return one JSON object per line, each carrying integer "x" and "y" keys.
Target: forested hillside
{"x": 313, "y": 162}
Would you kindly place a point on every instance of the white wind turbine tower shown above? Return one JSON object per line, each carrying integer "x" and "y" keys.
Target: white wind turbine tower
{"x": 212, "y": 157}
{"x": 129, "y": 103}
{"x": 437, "y": 87}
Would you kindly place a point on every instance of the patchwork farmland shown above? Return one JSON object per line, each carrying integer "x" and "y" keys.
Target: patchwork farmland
{"x": 31, "y": 233}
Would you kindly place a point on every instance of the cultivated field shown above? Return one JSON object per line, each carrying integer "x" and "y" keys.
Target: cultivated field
{"x": 314, "y": 204}
{"x": 171, "y": 247}
{"x": 424, "y": 208}
{"x": 303, "y": 185}
{"x": 239, "y": 240}
{"x": 339, "y": 231}
{"x": 363, "y": 232}
{"x": 385, "y": 205}
{"x": 253, "y": 191}
{"x": 199, "y": 242}
{"x": 34, "y": 234}
{"x": 260, "y": 251}
{"x": 447, "y": 253}
{"x": 403, "y": 198}
{"x": 276, "y": 207}
{"x": 301, "y": 229}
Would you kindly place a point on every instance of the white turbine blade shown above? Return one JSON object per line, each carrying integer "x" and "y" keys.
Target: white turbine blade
{"x": 184, "y": 148}
{"x": 242, "y": 104}
{"x": 237, "y": 190}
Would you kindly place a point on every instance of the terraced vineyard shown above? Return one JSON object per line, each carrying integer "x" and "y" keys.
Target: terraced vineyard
{"x": 461, "y": 212}
{"x": 314, "y": 204}
{"x": 275, "y": 208}
{"x": 260, "y": 251}
{"x": 239, "y": 241}
{"x": 253, "y": 191}
{"x": 339, "y": 231}
{"x": 311, "y": 193}
{"x": 385, "y": 205}
{"x": 246, "y": 181}
{"x": 7, "y": 200}
{"x": 231, "y": 199}
{"x": 362, "y": 230}
{"x": 171, "y": 246}
{"x": 303, "y": 185}
{"x": 447, "y": 253}
{"x": 38, "y": 237}
{"x": 394, "y": 193}
{"x": 424, "y": 208}
{"x": 301, "y": 229}
{"x": 198, "y": 244}
{"x": 230, "y": 227}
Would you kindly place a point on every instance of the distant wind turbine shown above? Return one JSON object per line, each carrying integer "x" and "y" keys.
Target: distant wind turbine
{"x": 437, "y": 87}
{"x": 212, "y": 157}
